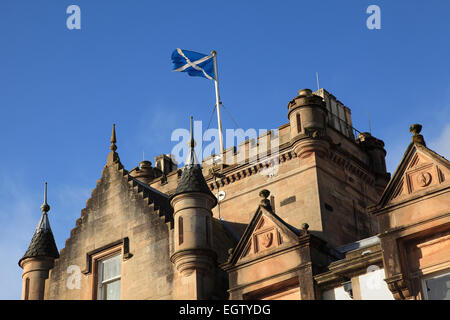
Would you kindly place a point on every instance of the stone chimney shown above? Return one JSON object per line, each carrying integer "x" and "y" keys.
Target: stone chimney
{"x": 145, "y": 172}
{"x": 165, "y": 163}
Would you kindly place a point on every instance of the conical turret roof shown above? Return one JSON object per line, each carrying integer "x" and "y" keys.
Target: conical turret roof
{"x": 43, "y": 243}
{"x": 192, "y": 179}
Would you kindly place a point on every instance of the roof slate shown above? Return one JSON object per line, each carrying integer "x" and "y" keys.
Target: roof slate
{"x": 192, "y": 180}
{"x": 42, "y": 245}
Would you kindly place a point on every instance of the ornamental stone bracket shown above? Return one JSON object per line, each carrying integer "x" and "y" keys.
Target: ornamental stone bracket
{"x": 399, "y": 286}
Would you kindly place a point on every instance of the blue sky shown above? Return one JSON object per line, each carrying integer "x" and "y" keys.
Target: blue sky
{"x": 61, "y": 90}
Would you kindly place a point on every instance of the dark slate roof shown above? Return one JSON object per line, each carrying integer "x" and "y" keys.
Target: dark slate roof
{"x": 43, "y": 243}
{"x": 159, "y": 198}
{"x": 192, "y": 180}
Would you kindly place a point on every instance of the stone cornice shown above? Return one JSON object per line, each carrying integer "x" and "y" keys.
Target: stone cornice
{"x": 344, "y": 269}
{"x": 293, "y": 270}
{"x": 238, "y": 172}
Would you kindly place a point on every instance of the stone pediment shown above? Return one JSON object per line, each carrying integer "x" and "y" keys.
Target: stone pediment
{"x": 420, "y": 170}
{"x": 265, "y": 234}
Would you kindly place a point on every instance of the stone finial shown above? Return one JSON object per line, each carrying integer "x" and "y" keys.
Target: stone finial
{"x": 113, "y": 146}
{"x": 305, "y": 228}
{"x": 113, "y": 156}
{"x": 415, "y": 129}
{"x": 265, "y": 202}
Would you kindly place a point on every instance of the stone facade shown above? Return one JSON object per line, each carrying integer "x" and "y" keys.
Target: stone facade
{"x": 310, "y": 237}
{"x": 414, "y": 216}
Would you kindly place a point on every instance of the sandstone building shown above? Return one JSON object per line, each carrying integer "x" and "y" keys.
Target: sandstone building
{"x": 328, "y": 223}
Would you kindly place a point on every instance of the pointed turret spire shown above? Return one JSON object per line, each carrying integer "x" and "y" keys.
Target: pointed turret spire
{"x": 192, "y": 179}
{"x": 43, "y": 243}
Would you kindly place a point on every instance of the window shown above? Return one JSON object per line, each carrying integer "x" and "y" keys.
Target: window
{"x": 299, "y": 123}
{"x": 27, "y": 289}
{"x": 207, "y": 230}
{"x": 108, "y": 276}
{"x": 180, "y": 230}
{"x": 437, "y": 286}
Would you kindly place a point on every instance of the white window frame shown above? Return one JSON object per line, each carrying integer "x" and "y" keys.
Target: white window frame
{"x": 432, "y": 276}
{"x": 97, "y": 260}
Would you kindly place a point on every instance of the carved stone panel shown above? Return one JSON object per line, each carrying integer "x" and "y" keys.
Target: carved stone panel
{"x": 265, "y": 236}
{"x": 422, "y": 177}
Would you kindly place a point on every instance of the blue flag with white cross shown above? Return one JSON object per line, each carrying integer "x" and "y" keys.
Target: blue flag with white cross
{"x": 194, "y": 63}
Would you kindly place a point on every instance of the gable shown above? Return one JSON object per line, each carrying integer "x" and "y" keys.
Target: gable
{"x": 420, "y": 170}
{"x": 120, "y": 208}
{"x": 265, "y": 234}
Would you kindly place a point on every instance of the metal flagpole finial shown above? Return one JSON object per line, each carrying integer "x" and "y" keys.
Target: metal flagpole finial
{"x": 45, "y": 207}
{"x": 113, "y": 146}
{"x": 191, "y": 143}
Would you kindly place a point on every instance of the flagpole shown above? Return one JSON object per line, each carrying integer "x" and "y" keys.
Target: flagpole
{"x": 218, "y": 102}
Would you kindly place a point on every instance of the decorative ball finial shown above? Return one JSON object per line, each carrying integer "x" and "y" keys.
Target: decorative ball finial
{"x": 415, "y": 128}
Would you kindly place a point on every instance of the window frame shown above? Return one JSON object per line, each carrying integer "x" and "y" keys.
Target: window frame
{"x": 97, "y": 259}
{"x": 429, "y": 277}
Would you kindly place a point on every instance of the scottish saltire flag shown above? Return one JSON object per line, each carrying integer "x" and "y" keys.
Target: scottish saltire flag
{"x": 194, "y": 63}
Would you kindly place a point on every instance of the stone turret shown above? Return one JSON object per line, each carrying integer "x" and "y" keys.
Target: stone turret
{"x": 39, "y": 258}
{"x": 375, "y": 149}
{"x": 193, "y": 256}
{"x": 308, "y": 118}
